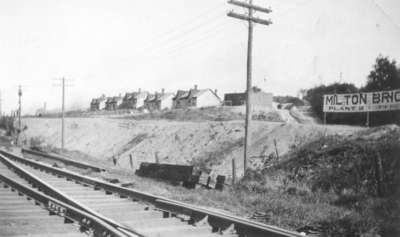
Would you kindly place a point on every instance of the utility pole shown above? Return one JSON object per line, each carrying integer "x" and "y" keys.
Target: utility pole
{"x": 1, "y": 112}
{"x": 19, "y": 112}
{"x": 250, "y": 19}
{"x": 63, "y": 85}
{"x": 63, "y": 114}
{"x": 19, "y": 107}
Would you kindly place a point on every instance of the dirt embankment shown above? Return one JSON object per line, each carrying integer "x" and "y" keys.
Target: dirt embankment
{"x": 207, "y": 144}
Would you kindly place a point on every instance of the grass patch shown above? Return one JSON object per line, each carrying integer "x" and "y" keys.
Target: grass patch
{"x": 334, "y": 185}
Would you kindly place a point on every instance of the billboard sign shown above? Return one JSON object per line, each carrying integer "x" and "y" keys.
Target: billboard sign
{"x": 362, "y": 102}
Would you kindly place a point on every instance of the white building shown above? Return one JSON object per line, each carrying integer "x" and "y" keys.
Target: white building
{"x": 197, "y": 98}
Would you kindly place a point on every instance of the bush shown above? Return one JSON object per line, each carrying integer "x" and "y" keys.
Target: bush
{"x": 315, "y": 97}
{"x": 384, "y": 76}
{"x": 37, "y": 143}
{"x": 349, "y": 166}
{"x": 289, "y": 99}
{"x": 7, "y": 123}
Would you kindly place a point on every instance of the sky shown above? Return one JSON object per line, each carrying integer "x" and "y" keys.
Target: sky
{"x": 112, "y": 47}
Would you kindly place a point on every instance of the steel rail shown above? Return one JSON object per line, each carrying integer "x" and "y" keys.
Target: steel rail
{"x": 219, "y": 221}
{"x": 53, "y": 192}
{"x": 70, "y": 213}
{"x": 63, "y": 159}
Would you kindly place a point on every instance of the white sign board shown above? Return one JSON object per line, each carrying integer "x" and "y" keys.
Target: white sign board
{"x": 362, "y": 102}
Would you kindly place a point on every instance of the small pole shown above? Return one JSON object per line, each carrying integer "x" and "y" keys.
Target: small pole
{"x": 1, "y": 113}
{"x": 19, "y": 113}
{"x": 233, "y": 171}
{"x": 276, "y": 149}
{"x": 114, "y": 159}
{"x": 63, "y": 115}
{"x": 324, "y": 118}
{"x": 131, "y": 161}
{"x": 368, "y": 122}
{"x": 157, "y": 159}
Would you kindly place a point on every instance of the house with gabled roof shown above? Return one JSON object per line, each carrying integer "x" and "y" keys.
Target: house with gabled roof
{"x": 165, "y": 101}
{"x": 134, "y": 100}
{"x": 159, "y": 101}
{"x": 98, "y": 103}
{"x": 197, "y": 98}
{"x": 114, "y": 103}
{"x": 179, "y": 100}
{"x": 150, "y": 101}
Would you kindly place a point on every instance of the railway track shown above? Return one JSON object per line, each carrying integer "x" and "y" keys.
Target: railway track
{"x": 132, "y": 212}
{"x": 30, "y": 213}
{"x": 64, "y": 160}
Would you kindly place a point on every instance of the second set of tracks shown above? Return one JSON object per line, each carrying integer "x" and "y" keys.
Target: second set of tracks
{"x": 113, "y": 210}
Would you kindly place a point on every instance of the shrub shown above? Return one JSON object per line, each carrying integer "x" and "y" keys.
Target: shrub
{"x": 7, "y": 123}
{"x": 288, "y": 99}
{"x": 315, "y": 97}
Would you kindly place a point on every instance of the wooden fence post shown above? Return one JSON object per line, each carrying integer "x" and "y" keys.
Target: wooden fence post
{"x": 233, "y": 171}
{"x": 276, "y": 149}
{"x": 131, "y": 161}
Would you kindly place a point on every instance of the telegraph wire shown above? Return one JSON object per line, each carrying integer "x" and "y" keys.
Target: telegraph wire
{"x": 380, "y": 8}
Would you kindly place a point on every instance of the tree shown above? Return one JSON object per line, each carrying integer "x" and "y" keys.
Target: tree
{"x": 385, "y": 76}
{"x": 256, "y": 89}
{"x": 315, "y": 97}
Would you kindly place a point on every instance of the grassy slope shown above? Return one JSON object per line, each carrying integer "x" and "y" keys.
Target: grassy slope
{"x": 315, "y": 185}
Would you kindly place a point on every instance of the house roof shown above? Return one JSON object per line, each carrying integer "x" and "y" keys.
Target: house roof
{"x": 165, "y": 96}
{"x": 98, "y": 100}
{"x": 196, "y": 93}
{"x": 137, "y": 95}
{"x": 116, "y": 98}
{"x": 192, "y": 93}
{"x": 180, "y": 94}
{"x": 151, "y": 98}
{"x": 140, "y": 95}
{"x": 108, "y": 100}
{"x": 128, "y": 95}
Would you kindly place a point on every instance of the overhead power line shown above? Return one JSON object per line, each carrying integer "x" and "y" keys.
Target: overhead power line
{"x": 180, "y": 49}
{"x": 380, "y": 8}
{"x": 182, "y": 34}
{"x": 188, "y": 26}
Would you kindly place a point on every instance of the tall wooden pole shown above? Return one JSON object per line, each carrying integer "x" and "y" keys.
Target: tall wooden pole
{"x": 247, "y": 135}
{"x": 250, "y": 19}
{"x": 63, "y": 114}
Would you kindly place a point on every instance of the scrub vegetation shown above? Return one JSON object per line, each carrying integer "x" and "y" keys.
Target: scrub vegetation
{"x": 334, "y": 185}
{"x": 384, "y": 76}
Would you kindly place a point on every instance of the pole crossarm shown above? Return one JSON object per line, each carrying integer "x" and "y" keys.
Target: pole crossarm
{"x": 250, "y": 6}
{"x": 251, "y": 20}
{"x": 248, "y": 18}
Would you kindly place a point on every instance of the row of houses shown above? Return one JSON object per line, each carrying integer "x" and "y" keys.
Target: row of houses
{"x": 181, "y": 99}
{"x": 159, "y": 100}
